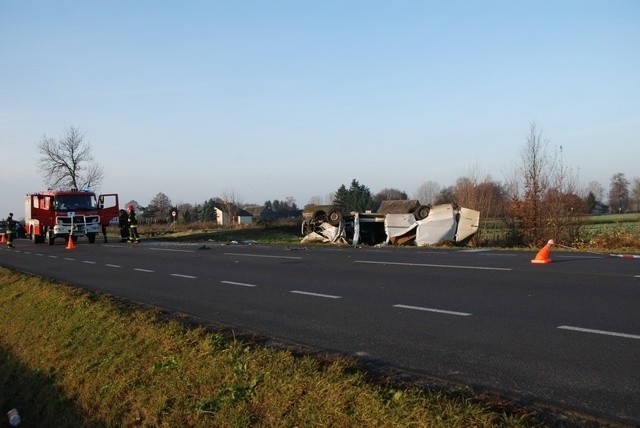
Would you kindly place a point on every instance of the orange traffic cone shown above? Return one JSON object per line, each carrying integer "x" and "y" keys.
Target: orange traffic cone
{"x": 70, "y": 244}
{"x": 544, "y": 255}
{"x": 4, "y": 239}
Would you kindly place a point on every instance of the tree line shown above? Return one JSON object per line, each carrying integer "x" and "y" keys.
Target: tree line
{"x": 539, "y": 198}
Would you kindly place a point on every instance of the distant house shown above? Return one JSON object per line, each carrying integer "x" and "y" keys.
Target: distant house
{"x": 221, "y": 217}
{"x": 599, "y": 208}
{"x": 243, "y": 217}
{"x": 261, "y": 213}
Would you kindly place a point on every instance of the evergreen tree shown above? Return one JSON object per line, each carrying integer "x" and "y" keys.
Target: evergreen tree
{"x": 356, "y": 198}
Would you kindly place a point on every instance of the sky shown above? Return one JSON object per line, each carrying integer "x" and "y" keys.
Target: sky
{"x": 273, "y": 99}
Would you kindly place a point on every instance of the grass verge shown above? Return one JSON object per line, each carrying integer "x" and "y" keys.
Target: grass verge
{"x": 70, "y": 358}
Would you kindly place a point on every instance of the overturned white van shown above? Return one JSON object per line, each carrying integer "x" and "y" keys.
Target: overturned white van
{"x": 421, "y": 226}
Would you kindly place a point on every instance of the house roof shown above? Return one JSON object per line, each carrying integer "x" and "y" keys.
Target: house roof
{"x": 398, "y": 206}
{"x": 243, "y": 213}
{"x": 261, "y": 212}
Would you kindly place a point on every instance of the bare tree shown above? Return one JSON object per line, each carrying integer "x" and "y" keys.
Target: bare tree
{"x": 563, "y": 209}
{"x": 546, "y": 205}
{"x": 635, "y": 193}
{"x": 68, "y": 162}
{"x": 230, "y": 203}
{"x": 619, "y": 193}
{"x": 321, "y": 200}
{"x": 427, "y": 192}
{"x": 597, "y": 189}
{"x": 487, "y": 196}
{"x": 388, "y": 194}
{"x": 161, "y": 207}
{"x": 535, "y": 179}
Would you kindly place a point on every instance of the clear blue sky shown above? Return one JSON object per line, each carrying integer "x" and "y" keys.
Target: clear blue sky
{"x": 270, "y": 99}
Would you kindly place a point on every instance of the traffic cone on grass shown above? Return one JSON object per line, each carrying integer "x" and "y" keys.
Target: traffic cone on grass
{"x": 544, "y": 255}
{"x": 70, "y": 244}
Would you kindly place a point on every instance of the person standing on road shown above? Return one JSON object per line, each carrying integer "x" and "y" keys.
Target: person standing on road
{"x": 11, "y": 226}
{"x": 123, "y": 223}
{"x": 133, "y": 225}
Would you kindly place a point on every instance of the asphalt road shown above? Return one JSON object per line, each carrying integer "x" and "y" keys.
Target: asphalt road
{"x": 564, "y": 334}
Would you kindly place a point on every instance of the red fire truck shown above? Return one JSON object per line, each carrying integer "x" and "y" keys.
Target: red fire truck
{"x": 67, "y": 214}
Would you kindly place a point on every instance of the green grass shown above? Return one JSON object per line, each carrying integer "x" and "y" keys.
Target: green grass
{"x": 281, "y": 233}
{"x": 611, "y": 232}
{"x": 70, "y": 358}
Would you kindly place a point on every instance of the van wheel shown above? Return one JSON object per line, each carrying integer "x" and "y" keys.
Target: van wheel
{"x": 421, "y": 212}
{"x": 334, "y": 217}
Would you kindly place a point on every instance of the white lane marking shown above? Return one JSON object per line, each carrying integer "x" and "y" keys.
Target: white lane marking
{"x": 39, "y": 254}
{"x": 432, "y": 265}
{"x": 607, "y": 333}
{"x": 70, "y": 259}
{"x": 439, "y": 311}
{"x": 89, "y": 262}
{"x": 326, "y": 296}
{"x": 53, "y": 257}
{"x": 239, "y": 283}
{"x": 171, "y": 249}
{"x": 113, "y": 266}
{"x": 179, "y": 275}
{"x": 263, "y": 255}
{"x": 143, "y": 270}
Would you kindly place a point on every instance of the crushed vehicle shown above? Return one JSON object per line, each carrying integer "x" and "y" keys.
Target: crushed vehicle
{"x": 67, "y": 214}
{"x": 404, "y": 222}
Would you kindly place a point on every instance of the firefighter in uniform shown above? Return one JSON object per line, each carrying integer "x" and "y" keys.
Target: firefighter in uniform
{"x": 11, "y": 226}
{"x": 133, "y": 225}
{"x": 123, "y": 223}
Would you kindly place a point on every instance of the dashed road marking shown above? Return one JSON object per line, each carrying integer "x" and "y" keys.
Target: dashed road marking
{"x": 438, "y": 311}
{"x": 326, "y": 296}
{"x": 179, "y": 275}
{"x": 433, "y": 265}
{"x": 89, "y": 262}
{"x": 604, "y": 332}
{"x": 243, "y": 284}
{"x": 143, "y": 270}
{"x": 263, "y": 256}
{"x": 113, "y": 266}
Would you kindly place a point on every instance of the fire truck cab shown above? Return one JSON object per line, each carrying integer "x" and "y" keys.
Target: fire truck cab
{"x": 68, "y": 214}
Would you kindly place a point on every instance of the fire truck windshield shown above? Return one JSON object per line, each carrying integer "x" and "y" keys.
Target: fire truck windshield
{"x": 78, "y": 202}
